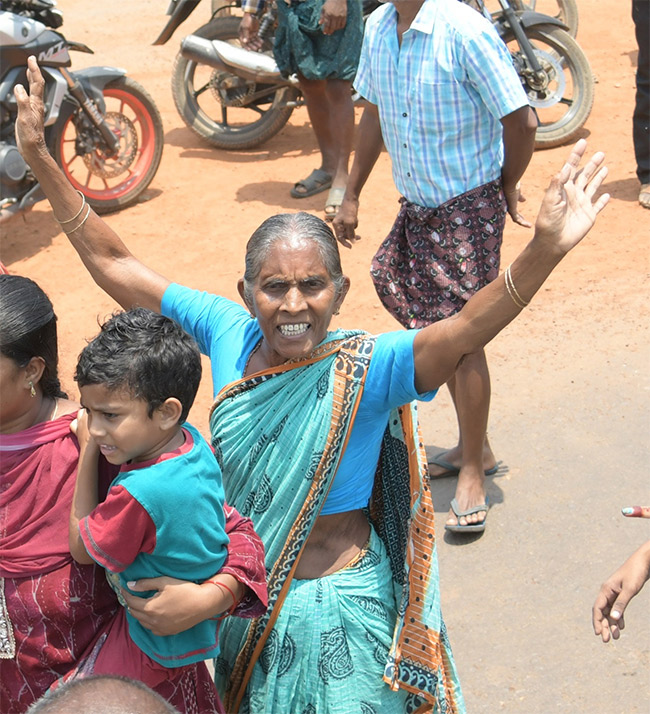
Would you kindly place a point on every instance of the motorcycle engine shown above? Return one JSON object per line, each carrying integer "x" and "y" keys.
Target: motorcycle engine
{"x": 13, "y": 170}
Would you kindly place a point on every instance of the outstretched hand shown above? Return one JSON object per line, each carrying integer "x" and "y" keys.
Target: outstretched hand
{"x": 569, "y": 207}
{"x": 616, "y": 593}
{"x": 30, "y": 131}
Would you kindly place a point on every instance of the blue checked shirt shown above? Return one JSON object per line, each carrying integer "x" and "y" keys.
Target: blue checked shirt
{"x": 440, "y": 97}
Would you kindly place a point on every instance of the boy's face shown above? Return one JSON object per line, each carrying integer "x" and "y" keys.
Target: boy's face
{"x": 121, "y": 425}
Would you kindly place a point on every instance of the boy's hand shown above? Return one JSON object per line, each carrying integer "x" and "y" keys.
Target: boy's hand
{"x": 79, "y": 427}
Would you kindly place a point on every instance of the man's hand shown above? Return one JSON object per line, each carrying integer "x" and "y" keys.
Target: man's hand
{"x": 346, "y": 222}
{"x": 513, "y": 198}
{"x": 333, "y": 16}
{"x": 248, "y": 29}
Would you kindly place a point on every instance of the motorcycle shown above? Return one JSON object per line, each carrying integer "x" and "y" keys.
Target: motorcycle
{"x": 101, "y": 126}
{"x": 553, "y": 69}
{"x": 237, "y": 99}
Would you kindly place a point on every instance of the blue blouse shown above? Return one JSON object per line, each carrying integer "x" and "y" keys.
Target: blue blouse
{"x": 227, "y": 334}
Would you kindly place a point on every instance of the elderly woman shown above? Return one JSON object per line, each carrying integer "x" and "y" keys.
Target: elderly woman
{"x": 52, "y": 609}
{"x": 317, "y": 447}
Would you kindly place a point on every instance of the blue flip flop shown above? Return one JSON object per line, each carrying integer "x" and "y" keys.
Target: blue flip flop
{"x": 470, "y": 527}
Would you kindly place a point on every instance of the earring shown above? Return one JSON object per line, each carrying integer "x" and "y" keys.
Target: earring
{"x": 32, "y": 391}
{"x": 336, "y": 312}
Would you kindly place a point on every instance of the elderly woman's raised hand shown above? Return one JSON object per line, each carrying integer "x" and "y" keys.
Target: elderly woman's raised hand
{"x": 30, "y": 135}
{"x": 569, "y": 207}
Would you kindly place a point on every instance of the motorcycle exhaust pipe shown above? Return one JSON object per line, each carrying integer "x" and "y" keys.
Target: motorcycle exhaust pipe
{"x": 249, "y": 65}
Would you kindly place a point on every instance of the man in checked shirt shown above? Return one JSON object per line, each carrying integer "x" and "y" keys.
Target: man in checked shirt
{"x": 447, "y": 103}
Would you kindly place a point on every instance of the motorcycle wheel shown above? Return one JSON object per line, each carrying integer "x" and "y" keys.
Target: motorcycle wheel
{"x": 562, "y": 101}
{"x": 110, "y": 183}
{"x": 564, "y": 10}
{"x": 214, "y": 103}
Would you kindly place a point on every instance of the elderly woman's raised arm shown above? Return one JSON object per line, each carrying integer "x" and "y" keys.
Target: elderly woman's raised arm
{"x": 112, "y": 266}
{"x": 568, "y": 212}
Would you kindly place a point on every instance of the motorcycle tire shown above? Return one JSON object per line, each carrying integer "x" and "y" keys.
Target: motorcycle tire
{"x": 564, "y": 103}
{"x": 198, "y": 92}
{"x": 110, "y": 183}
{"x": 564, "y": 10}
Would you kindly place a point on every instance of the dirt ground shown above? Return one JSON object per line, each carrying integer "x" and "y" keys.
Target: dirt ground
{"x": 570, "y": 378}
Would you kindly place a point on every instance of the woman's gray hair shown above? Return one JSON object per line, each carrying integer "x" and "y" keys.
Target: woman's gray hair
{"x": 286, "y": 225}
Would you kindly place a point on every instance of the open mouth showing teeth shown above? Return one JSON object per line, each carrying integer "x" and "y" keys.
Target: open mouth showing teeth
{"x": 293, "y": 330}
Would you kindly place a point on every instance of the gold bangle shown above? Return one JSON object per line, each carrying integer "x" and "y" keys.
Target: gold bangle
{"x": 76, "y": 228}
{"x": 512, "y": 291}
{"x": 76, "y": 215}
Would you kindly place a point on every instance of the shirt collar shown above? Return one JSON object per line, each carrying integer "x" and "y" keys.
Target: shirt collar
{"x": 426, "y": 16}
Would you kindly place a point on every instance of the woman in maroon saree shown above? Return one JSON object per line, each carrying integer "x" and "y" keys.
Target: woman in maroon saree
{"x": 52, "y": 609}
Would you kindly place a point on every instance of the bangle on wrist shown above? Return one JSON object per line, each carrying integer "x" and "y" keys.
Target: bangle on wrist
{"x": 235, "y": 601}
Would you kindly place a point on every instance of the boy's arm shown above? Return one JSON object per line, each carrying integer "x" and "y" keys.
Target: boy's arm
{"x": 85, "y": 498}
{"x": 178, "y": 605}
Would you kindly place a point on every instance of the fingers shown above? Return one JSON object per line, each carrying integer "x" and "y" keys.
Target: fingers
{"x": 35, "y": 78}
{"x": 636, "y": 512}
{"x": 592, "y": 171}
{"x": 575, "y": 157}
{"x": 143, "y": 585}
{"x": 520, "y": 220}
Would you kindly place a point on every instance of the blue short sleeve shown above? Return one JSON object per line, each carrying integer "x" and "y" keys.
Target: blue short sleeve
{"x": 223, "y": 329}
{"x": 391, "y": 376}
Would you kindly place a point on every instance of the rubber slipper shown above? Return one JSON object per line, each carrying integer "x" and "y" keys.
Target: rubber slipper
{"x": 644, "y": 195}
{"x": 470, "y": 527}
{"x": 317, "y": 181}
{"x": 452, "y": 470}
{"x": 333, "y": 203}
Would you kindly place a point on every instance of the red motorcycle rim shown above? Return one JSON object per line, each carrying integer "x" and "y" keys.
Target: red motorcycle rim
{"x": 89, "y": 180}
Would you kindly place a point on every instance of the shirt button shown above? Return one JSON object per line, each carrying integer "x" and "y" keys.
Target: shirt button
{"x": 404, "y": 145}
{"x": 404, "y": 114}
{"x": 408, "y": 173}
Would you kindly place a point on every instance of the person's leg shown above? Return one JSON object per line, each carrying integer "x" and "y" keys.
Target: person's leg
{"x": 641, "y": 117}
{"x": 470, "y": 390}
{"x": 331, "y": 112}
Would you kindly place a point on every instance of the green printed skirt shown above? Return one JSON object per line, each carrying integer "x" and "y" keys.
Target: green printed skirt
{"x": 301, "y": 46}
{"x": 328, "y": 649}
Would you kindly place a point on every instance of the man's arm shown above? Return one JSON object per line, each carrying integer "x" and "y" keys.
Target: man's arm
{"x": 519, "y": 129}
{"x": 112, "y": 266}
{"x": 369, "y": 145}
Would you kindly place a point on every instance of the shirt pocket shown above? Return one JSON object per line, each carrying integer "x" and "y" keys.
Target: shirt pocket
{"x": 439, "y": 93}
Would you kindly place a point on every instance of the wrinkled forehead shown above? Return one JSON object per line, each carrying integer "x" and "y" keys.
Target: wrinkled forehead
{"x": 294, "y": 253}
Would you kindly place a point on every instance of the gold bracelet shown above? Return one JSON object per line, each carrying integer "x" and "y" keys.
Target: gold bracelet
{"x": 76, "y": 228}
{"x": 83, "y": 203}
{"x": 512, "y": 291}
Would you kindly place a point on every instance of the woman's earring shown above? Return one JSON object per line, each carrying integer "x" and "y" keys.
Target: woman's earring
{"x": 32, "y": 391}
{"x": 336, "y": 312}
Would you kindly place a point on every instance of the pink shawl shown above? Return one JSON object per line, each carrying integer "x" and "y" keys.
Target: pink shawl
{"x": 37, "y": 477}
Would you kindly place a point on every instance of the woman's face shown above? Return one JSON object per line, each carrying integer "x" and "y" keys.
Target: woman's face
{"x": 294, "y": 299}
{"x": 16, "y": 397}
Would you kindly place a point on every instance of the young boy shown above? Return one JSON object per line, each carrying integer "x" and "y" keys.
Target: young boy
{"x": 164, "y": 512}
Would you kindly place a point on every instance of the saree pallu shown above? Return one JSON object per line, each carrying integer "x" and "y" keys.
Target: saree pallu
{"x": 279, "y": 436}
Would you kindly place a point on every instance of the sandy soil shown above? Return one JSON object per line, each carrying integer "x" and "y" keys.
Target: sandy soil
{"x": 570, "y": 377}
